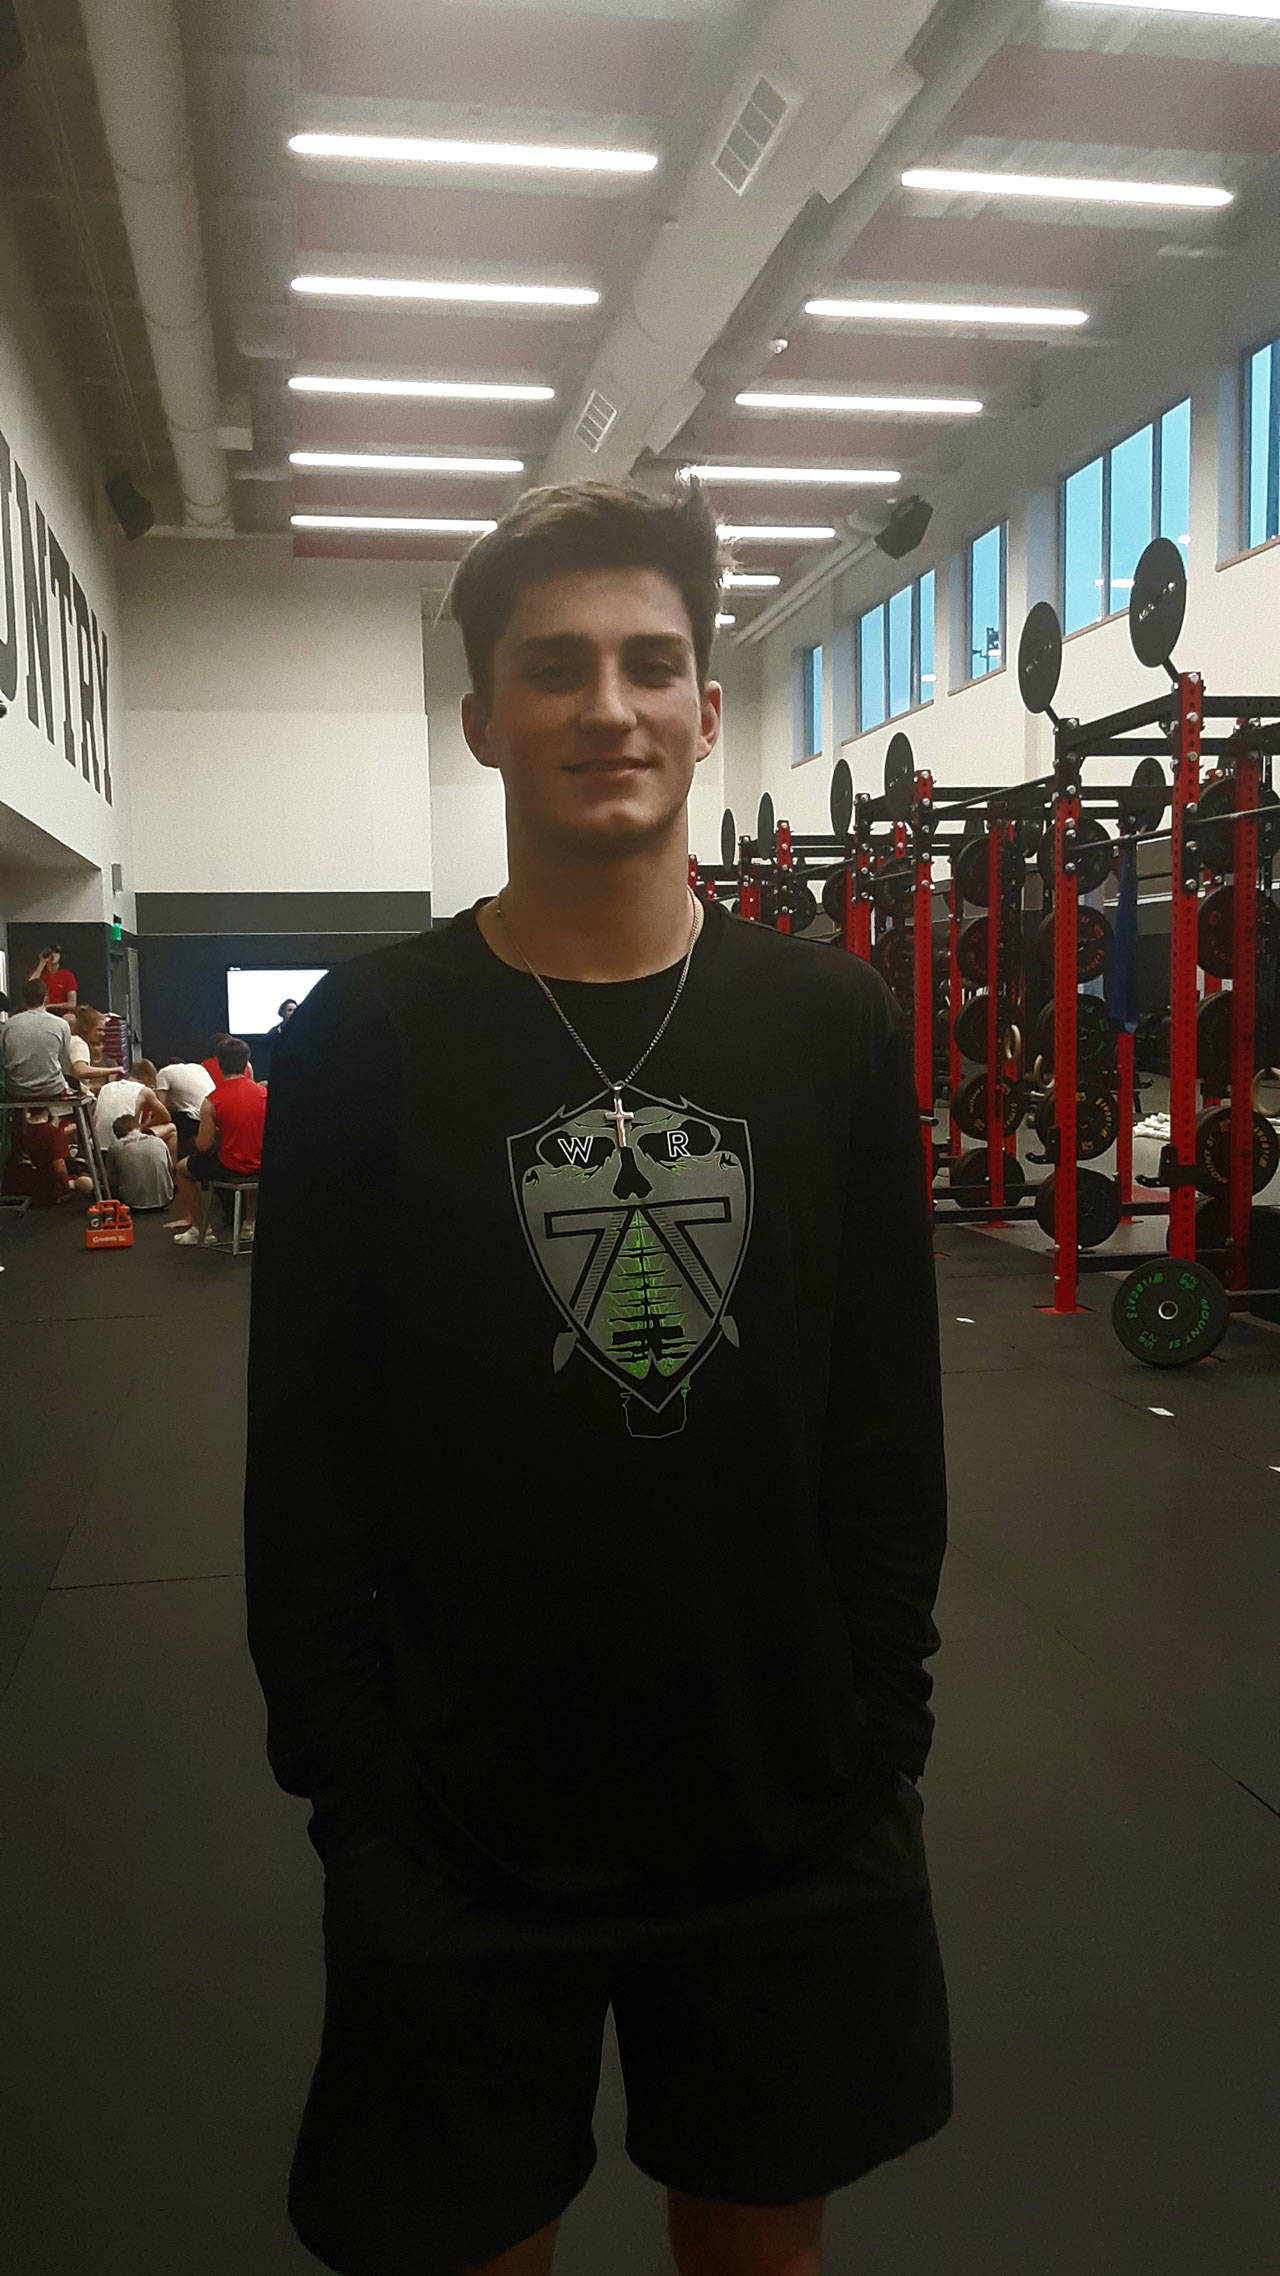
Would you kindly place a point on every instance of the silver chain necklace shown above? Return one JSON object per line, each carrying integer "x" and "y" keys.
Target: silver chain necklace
{"x": 620, "y": 1119}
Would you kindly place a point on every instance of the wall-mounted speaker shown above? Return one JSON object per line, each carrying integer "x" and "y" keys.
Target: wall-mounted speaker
{"x": 905, "y": 528}
{"x": 134, "y": 513}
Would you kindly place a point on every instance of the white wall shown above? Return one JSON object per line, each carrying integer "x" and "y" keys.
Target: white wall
{"x": 58, "y": 833}
{"x": 274, "y": 720}
{"x": 277, "y": 738}
{"x": 1186, "y": 336}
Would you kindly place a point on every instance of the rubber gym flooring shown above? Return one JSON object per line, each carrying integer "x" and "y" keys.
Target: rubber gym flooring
{"x": 1102, "y": 1804}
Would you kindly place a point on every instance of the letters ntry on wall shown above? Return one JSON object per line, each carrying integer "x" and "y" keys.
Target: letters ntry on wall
{"x": 74, "y": 703}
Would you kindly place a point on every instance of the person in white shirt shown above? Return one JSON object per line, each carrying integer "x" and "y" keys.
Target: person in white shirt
{"x": 87, "y": 1026}
{"x": 140, "y": 1162}
{"x": 134, "y": 1094}
{"x": 184, "y": 1085}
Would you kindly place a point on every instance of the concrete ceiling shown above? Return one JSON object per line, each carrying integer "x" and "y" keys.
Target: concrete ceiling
{"x": 696, "y": 283}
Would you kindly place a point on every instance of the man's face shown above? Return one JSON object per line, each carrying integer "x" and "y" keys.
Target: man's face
{"x": 596, "y": 720}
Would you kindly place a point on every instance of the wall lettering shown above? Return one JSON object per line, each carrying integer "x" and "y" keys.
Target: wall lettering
{"x": 82, "y": 714}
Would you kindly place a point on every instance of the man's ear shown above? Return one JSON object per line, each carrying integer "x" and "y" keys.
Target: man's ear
{"x": 475, "y": 728}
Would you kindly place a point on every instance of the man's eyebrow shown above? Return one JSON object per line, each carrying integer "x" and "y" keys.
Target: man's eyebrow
{"x": 549, "y": 643}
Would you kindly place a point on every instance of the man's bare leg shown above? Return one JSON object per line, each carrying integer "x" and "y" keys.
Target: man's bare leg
{"x": 709, "y": 2239}
{"x": 189, "y": 1197}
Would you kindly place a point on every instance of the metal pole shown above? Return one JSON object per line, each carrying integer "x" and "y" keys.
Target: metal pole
{"x": 1183, "y": 959}
{"x": 1244, "y": 984}
{"x": 1065, "y": 974}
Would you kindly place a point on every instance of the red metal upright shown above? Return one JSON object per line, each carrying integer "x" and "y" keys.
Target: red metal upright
{"x": 1183, "y": 963}
{"x": 782, "y": 867}
{"x": 1244, "y": 984}
{"x": 955, "y": 1064}
{"x": 924, "y": 946}
{"x": 996, "y": 848}
{"x": 1124, "y": 1136}
{"x": 1065, "y": 976}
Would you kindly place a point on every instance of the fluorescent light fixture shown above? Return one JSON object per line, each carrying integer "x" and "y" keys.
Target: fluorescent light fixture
{"x": 444, "y": 289}
{"x": 945, "y": 312}
{"x": 780, "y": 533}
{"x": 723, "y": 619}
{"x": 374, "y": 462}
{"x": 1265, "y": 11}
{"x": 748, "y": 579}
{"x": 1081, "y": 189}
{"x": 844, "y": 477}
{"x": 393, "y": 522}
{"x": 437, "y": 390}
{"x": 417, "y": 150}
{"x": 890, "y": 406}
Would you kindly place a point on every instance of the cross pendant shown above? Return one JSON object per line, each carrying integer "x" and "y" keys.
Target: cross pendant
{"x": 620, "y": 1120}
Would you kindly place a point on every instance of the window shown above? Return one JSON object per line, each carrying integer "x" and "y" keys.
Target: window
{"x": 1114, "y": 506}
{"x": 1262, "y": 445}
{"x": 894, "y": 653}
{"x": 811, "y": 701}
{"x": 985, "y": 584}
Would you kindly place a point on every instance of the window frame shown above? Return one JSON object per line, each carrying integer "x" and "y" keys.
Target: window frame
{"x": 1104, "y": 458}
{"x": 974, "y": 677}
{"x": 918, "y": 699}
{"x": 811, "y": 700}
{"x": 1252, "y": 544}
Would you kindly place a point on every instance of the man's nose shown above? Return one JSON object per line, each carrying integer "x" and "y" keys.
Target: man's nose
{"x": 608, "y": 700}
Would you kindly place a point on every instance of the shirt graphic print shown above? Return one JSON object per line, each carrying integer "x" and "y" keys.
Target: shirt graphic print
{"x": 639, "y": 1246}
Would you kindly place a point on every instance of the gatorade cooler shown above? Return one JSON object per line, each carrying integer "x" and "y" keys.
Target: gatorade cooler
{"x": 110, "y": 1226}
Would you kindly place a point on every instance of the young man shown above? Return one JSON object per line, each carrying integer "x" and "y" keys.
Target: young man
{"x": 35, "y": 1049}
{"x": 140, "y": 1163}
{"x": 595, "y": 1500}
{"x": 134, "y": 1093}
{"x": 228, "y": 1141}
{"x": 59, "y": 981}
{"x": 37, "y": 1163}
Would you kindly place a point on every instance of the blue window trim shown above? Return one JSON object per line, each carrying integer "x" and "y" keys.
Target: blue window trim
{"x": 811, "y": 702}
{"x": 917, "y": 693}
{"x": 1271, "y": 510}
{"x": 973, "y": 673}
{"x": 1105, "y": 455}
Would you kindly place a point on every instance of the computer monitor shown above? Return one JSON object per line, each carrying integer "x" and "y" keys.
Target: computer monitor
{"x": 254, "y": 996}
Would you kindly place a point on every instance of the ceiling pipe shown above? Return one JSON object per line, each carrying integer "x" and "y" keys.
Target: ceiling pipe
{"x": 136, "y": 56}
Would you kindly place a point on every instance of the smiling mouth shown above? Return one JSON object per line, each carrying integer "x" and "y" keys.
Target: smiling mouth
{"x": 610, "y": 766}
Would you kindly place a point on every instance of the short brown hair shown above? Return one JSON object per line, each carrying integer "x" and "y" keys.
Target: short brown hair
{"x": 587, "y": 525}
{"x": 142, "y": 1071}
{"x": 233, "y": 1055}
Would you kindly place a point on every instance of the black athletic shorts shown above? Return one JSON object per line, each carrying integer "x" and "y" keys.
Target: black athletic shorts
{"x": 205, "y": 1167}
{"x": 774, "y": 2048}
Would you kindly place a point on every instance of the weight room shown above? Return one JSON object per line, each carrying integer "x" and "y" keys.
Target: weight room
{"x": 969, "y": 316}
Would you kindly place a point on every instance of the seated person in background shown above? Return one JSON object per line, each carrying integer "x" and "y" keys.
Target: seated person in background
{"x": 141, "y": 1165}
{"x": 37, "y": 1164}
{"x": 228, "y": 1142}
{"x": 35, "y": 1049}
{"x": 60, "y": 983}
{"x": 184, "y": 1085}
{"x": 212, "y": 1046}
{"x": 134, "y": 1094}
{"x": 87, "y": 1027}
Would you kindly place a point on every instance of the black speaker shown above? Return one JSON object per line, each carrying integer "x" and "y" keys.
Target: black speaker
{"x": 134, "y": 513}
{"x": 12, "y": 51}
{"x": 906, "y": 527}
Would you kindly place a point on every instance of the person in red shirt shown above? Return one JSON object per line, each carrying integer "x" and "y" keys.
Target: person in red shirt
{"x": 228, "y": 1140}
{"x": 37, "y": 1165}
{"x": 60, "y": 984}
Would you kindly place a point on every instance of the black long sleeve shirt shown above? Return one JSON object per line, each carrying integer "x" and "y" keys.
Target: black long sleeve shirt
{"x": 595, "y": 1498}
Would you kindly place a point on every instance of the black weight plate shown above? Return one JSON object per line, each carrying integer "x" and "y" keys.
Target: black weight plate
{"x": 1215, "y": 944}
{"x": 728, "y": 840}
{"x": 899, "y": 778}
{"x": 1093, "y": 942}
{"x": 971, "y": 1030}
{"x": 1147, "y": 799}
{"x": 1157, "y": 603}
{"x": 894, "y": 957}
{"x": 834, "y": 895}
{"x": 1095, "y": 853}
{"x": 1170, "y": 1312}
{"x": 894, "y": 893}
{"x": 970, "y": 1176}
{"x": 970, "y": 870}
{"x": 1040, "y": 657}
{"x": 766, "y": 827}
{"x": 804, "y": 908}
{"x": 971, "y": 952}
{"x": 1215, "y": 834}
{"x": 969, "y": 1107}
{"x": 1097, "y": 1122}
{"x": 1213, "y": 1150}
{"x": 1094, "y": 1033}
{"x": 841, "y": 798}
{"x": 1097, "y": 1208}
{"x": 1030, "y": 835}
{"x": 1213, "y": 1044}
